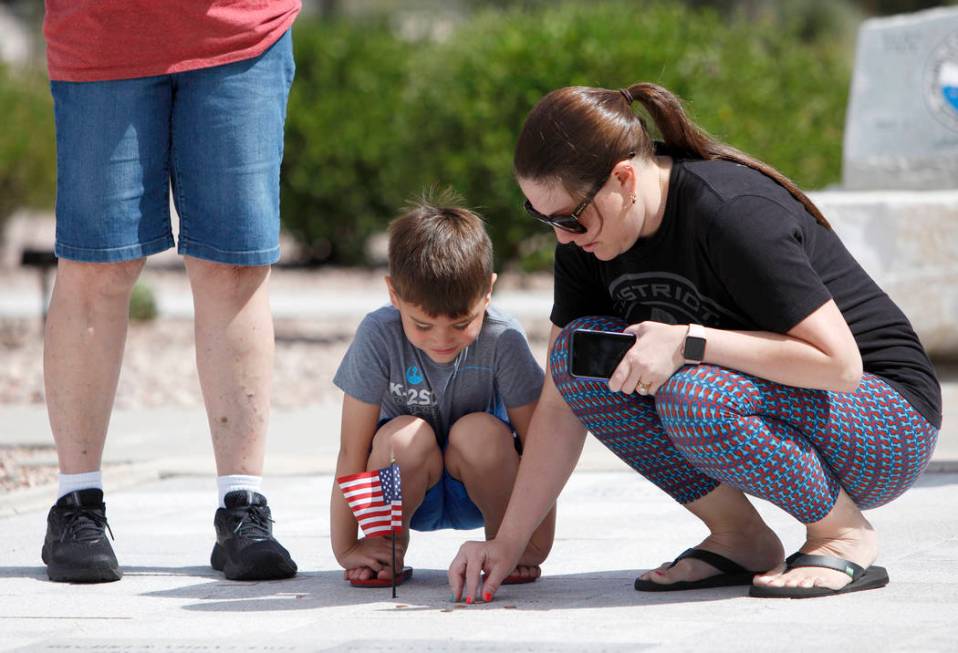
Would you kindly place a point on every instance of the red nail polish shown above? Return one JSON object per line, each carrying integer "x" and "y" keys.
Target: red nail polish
{"x": 487, "y": 597}
{"x": 468, "y": 600}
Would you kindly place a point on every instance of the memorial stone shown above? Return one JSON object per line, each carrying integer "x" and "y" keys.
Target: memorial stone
{"x": 897, "y": 209}
{"x": 901, "y": 129}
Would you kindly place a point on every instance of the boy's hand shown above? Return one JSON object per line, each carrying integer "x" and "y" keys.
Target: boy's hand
{"x": 371, "y": 557}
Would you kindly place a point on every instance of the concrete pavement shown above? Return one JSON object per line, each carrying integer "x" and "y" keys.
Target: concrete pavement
{"x": 612, "y": 524}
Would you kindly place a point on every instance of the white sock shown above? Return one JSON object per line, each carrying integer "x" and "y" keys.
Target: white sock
{"x": 227, "y": 484}
{"x": 85, "y": 481}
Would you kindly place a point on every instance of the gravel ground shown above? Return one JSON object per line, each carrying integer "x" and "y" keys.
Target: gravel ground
{"x": 159, "y": 368}
{"x": 23, "y": 467}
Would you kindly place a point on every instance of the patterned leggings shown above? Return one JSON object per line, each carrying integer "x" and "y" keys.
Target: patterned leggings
{"x": 792, "y": 446}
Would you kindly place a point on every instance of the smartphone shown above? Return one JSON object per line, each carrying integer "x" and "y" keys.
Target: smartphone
{"x": 596, "y": 354}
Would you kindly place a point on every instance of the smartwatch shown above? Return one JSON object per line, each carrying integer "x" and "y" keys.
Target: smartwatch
{"x": 693, "y": 351}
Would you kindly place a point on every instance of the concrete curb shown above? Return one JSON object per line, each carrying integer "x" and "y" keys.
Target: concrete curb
{"x": 41, "y": 497}
{"x": 946, "y": 466}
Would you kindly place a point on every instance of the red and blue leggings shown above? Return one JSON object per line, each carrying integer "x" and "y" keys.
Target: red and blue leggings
{"x": 794, "y": 447}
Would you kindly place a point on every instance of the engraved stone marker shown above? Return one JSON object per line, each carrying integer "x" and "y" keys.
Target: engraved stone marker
{"x": 901, "y": 129}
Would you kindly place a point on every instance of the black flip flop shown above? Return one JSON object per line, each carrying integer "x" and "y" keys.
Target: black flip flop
{"x": 862, "y": 579}
{"x": 732, "y": 574}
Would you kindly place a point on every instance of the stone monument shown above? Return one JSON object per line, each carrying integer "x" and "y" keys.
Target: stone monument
{"x": 897, "y": 211}
{"x": 901, "y": 130}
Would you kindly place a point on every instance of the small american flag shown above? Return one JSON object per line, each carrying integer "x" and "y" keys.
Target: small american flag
{"x": 375, "y": 499}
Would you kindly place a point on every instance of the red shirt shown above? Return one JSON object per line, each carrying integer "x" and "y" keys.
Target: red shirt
{"x": 95, "y": 40}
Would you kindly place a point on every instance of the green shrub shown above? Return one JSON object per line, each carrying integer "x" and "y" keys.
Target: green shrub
{"x": 374, "y": 120}
{"x": 341, "y": 135}
{"x": 142, "y": 303}
{"x": 758, "y": 88}
{"x": 27, "y": 143}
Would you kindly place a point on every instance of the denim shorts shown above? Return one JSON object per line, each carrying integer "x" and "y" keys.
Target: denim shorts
{"x": 215, "y": 135}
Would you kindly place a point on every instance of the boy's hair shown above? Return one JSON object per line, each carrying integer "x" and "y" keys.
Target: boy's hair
{"x": 440, "y": 256}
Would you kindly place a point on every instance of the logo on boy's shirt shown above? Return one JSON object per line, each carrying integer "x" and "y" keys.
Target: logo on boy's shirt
{"x": 413, "y": 375}
{"x": 412, "y": 396}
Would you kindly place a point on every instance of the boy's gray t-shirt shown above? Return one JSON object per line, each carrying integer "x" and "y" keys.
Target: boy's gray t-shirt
{"x": 497, "y": 371}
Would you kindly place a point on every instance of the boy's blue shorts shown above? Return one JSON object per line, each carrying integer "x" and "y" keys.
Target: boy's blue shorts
{"x": 447, "y": 504}
{"x": 215, "y": 134}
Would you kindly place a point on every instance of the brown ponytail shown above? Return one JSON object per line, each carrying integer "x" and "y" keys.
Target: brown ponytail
{"x": 575, "y": 135}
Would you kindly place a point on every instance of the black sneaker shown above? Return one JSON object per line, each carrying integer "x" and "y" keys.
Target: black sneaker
{"x": 245, "y": 548}
{"x": 76, "y": 549}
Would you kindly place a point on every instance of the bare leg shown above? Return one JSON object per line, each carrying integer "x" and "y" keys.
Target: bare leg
{"x": 844, "y": 533}
{"x": 234, "y": 357}
{"x": 736, "y": 531}
{"x": 481, "y": 454}
{"x": 412, "y": 442}
{"x": 83, "y": 349}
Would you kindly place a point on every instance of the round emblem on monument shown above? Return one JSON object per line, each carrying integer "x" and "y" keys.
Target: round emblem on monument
{"x": 941, "y": 82}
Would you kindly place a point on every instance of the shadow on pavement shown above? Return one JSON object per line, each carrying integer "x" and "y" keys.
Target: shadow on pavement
{"x": 428, "y": 591}
{"x": 40, "y": 572}
{"x": 935, "y": 480}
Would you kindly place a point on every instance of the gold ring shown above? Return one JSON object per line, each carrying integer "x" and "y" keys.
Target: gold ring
{"x": 644, "y": 388}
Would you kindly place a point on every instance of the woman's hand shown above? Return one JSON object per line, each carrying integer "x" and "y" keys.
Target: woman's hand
{"x": 496, "y": 559}
{"x": 655, "y": 356}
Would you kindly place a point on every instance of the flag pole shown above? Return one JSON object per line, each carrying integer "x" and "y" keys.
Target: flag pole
{"x": 392, "y": 535}
{"x": 394, "y": 564}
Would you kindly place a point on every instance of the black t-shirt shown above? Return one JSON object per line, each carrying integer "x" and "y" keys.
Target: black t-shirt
{"x": 735, "y": 250}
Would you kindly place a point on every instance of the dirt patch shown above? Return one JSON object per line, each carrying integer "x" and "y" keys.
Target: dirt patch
{"x": 159, "y": 367}
{"x": 24, "y": 467}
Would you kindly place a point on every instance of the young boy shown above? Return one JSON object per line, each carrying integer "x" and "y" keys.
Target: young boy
{"x": 446, "y": 385}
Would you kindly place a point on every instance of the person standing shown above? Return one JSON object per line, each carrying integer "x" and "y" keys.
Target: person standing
{"x": 148, "y": 97}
